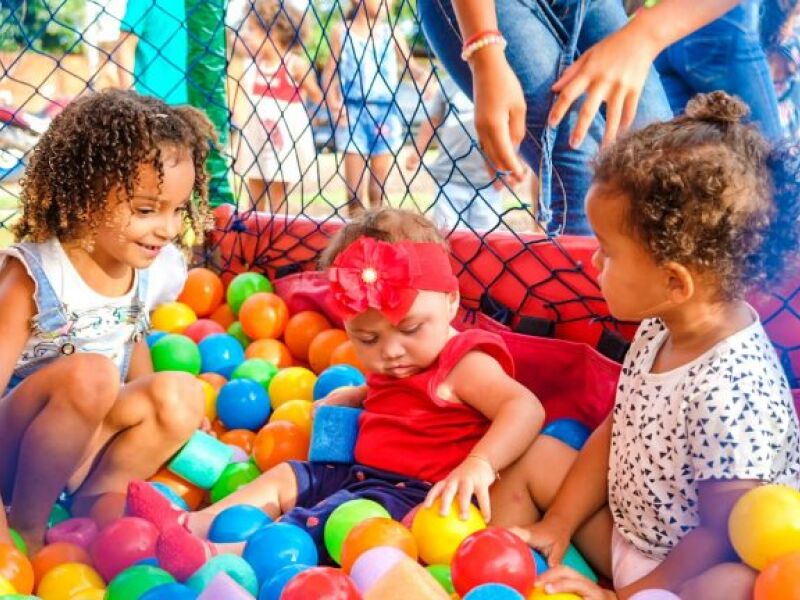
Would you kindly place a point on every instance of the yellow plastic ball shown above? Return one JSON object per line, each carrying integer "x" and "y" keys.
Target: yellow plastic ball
{"x": 438, "y": 537}
{"x": 172, "y": 317}
{"x": 539, "y": 594}
{"x": 210, "y": 396}
{"x": 93, "y": 594}
{"x": 764, "y": 525}
{"x": 6, "y": 587}
{"x": 295, "y": 411}
{"x": 66, "y": 581}
{"x": 292, "y": 383}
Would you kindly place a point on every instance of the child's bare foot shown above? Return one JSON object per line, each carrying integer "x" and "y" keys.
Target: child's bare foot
{"x": 200, "y": 522}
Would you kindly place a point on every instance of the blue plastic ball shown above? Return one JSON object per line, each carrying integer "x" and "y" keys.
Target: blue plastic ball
{"x": 541, "y": 562}
{"x": 493, "y": 591}
{"x": 220, "y": 353}
{"x": 170, "y": 591}
{"x": 150, "y": 561}
{"x": 277, "y": 545}
{"x": 237, "y": 524}
{"x": 243, "y": 404}
{"x": 170, "y": 494}
{"x": 271, "y": 590}
{"x": 571, "y": 432}
{"x": 154, "y": 336}
{"x": 335, "y": 377}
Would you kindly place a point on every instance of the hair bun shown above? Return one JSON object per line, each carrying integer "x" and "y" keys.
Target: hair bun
{"x": 717, "y": 106}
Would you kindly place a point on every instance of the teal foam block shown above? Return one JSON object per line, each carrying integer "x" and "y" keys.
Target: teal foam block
{"x": 202, "y": 460}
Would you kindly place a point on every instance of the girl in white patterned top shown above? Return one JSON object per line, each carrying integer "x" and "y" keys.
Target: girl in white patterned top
{"x": 688, "y": 214}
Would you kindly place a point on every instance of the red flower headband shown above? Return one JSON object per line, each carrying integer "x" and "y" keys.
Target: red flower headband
{"x": 387, "y": 276}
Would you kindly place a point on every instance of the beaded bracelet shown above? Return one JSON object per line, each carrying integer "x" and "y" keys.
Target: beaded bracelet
{"x": 481, "y": 40}
{"x": 488, "y": 462}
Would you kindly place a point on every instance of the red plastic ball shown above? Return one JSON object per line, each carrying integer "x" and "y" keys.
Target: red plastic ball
{"x": 201, "y": 328}
{"x": 493, "y": 555}
{"x": 320, "y": 583}
{"x": 123, "y": 544}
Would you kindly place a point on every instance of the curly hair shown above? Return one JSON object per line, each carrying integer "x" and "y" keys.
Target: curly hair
{"x": 282, "y": 21}
{"x": 706, "y": 191}
{"x": 385, "y": 224}
{"x": 96, "y": 145}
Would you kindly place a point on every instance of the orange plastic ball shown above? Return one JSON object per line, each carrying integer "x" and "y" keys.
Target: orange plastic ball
{"x": 295, "y": 411}
{"x": 301, "y": 329}
{"x": 202, "y": 292}
{"x": 278, "y": 442}
{"x": 215, "y": 379}
{"x": 57, "y": 554}
{"x": 780, "y": 579}
{"x": 273, "y": 351}
{"x": 192, "y": 495}
{"x": 242, "y": 438}
{"x": 322, "y": 346}
{"x": 377, "y": 531}
{"x": 224, "y": 316}
{"x": 217, "y": 428}
{"x": 263, "y": 315}
{"x": 345, "y": 354}
{"x": 16, "y": 567}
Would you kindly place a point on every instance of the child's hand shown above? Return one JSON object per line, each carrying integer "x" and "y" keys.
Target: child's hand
{"x": 473, "y": 477}
{"x": 550, "y": 536}
{"x": 412, "y": 160}
{"x": 351, "y": 396}
{"x": 564, "y": 580}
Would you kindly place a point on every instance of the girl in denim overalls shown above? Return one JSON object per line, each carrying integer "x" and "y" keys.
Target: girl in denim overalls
{"x": 109, "y": 186}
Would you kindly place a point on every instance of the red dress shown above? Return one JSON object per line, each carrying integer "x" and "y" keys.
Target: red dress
{"x": 407, "y": 428}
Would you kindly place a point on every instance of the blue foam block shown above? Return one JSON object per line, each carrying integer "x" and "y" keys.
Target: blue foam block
{"x": 333, "y": 436}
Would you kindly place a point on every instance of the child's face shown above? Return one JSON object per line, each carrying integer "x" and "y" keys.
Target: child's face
{"x": 137, "y": 228}
{"x": 633, "y": 284}
{"x": 253, "y": 37}
{"x": 410, "y": 346}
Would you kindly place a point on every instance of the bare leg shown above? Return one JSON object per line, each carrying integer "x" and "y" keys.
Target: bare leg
{"x": 5, "y": 537}
{"x": 355, "y": 167}
{"x": 257, "y": 188}
{"x": 727, "y": 581}
{"x": 379, "y": 166}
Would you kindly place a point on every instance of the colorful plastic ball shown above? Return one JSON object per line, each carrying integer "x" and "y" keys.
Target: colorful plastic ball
{"x": 241, "y": 438}
{"x": 570, "y": 431}
{"x": 66, "y": 581}
{"x": 651, "y": 594}
{"x": 320, "y": 583}
{"x": 215, "y": 380}
{"x": 233, "y": 477}
{"x": 122, "y": 544}
{"x": 272, "y": 589}
{"x": 209, "y": 400}
{"x": 574, "y": 560}
{"x": 780, "y": 579}
{"x": 493, "y": 555}
{"x": 169, "y": 591}
{"x": 273, "y": 351}
{"x": 295, "y": 411}
{"x": 264, "y": 316}
{"x": 243, "y": 404}
{"x": 279, "y": 442}
{"x": 236, "y": 330}
{"x": 191, "y": 494}
{"x": 176, "y": 352}
{"x": 232, "y": 565}
{"x": 132, "y": 583}
{"x": 243, "y": 286}
{"x": 322, "y": 346}
{"x": 345, "y": 354}
{"x": 6, "y": 587}
{"x": 202, "y": 292}
{"x": 256, "y": 369}
{"x": 279, "y": 544}
{"x": 53, "y": 555}
{"x": 373, "y": 564}
{"x": 16, "y": 567}
{"x": 301, "y": 329}
{"x": 439, "y": 536}
{"x": 153, "y": 337}
{"x": 344, "y": 518}
{"x": 201, "y": 329}
{"x": 92, "y": 594}
{"x": 374, "y": 532}
{"x": 764, "y": 525}
{"x": 19, "y": 543}
{"x": 443, "y": 576}
{"x": 493, "y": 591}
{"x": 172, "y": 317}
{"x": 220, "y": 353}
{"x": 170, "y": 495}
{"x": 59, "y": 514}
{"x": 541, "y": 562}
{"x": 237, "y": 524}
{"x": 335, "y": 377}
{"x": 217, "y": 428}
{"x": 292, "y": 383}
{"x": 224, "y": 316}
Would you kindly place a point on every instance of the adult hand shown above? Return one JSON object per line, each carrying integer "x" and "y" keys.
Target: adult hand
{"x": 471, "y": 478}
{"x": 563, "y": 580}
{"x": 612, "y": 72}
{"x": 550, "y": 536}
{"x": 499, "y": 111}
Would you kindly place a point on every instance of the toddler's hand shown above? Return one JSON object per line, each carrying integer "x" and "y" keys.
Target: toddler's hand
{"x": 473, "y": 477}
{"x": 412, "y": 160}
{"x": 550, "y": 536}
{"x": 351, "y": 396}
{"x": 563, "y": 580}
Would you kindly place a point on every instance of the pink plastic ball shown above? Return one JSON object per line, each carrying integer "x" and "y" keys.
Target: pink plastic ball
{"x": 123, "y": 544}
{"x": 79, "y": 531}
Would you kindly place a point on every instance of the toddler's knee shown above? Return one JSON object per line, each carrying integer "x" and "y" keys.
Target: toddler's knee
{"x": 727, "y": 581}
{"x": 89, "y": 384}
{"x": 177, "y": 402}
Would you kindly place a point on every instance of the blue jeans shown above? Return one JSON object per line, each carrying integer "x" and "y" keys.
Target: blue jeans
{"x": 726, "y": 54}
{"x": 543, "y": 38}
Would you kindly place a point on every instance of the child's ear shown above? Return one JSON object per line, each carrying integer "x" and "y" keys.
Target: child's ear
{"x": 680, "y": 282}
{"x": 453, "y": 300}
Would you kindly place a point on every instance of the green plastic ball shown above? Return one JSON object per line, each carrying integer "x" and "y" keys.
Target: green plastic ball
{"x": 236, "y": 331}
{"x": 441, "y": 573}
{"x": 259, "y": 370}
{"x": 344, "y": 518}
{"x": 175, "y": 352}
{"x": 233, "y": 477}
{"x": 573, "y": 559}
{"x": 18, "y": 541}
{"x": 135, "y": 581}
{"x": 243, "y": 286}
{"x": 58, "y": 514}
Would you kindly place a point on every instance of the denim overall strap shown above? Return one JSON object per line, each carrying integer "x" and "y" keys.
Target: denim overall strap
{"x": 548, "y": 138}
{"x": 139, "y": 306}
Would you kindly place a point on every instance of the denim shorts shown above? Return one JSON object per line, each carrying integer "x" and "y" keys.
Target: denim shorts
{"x": 369, "y": 129}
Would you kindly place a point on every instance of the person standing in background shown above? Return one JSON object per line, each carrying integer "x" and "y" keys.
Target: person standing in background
{"x": 780, "y": 32}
